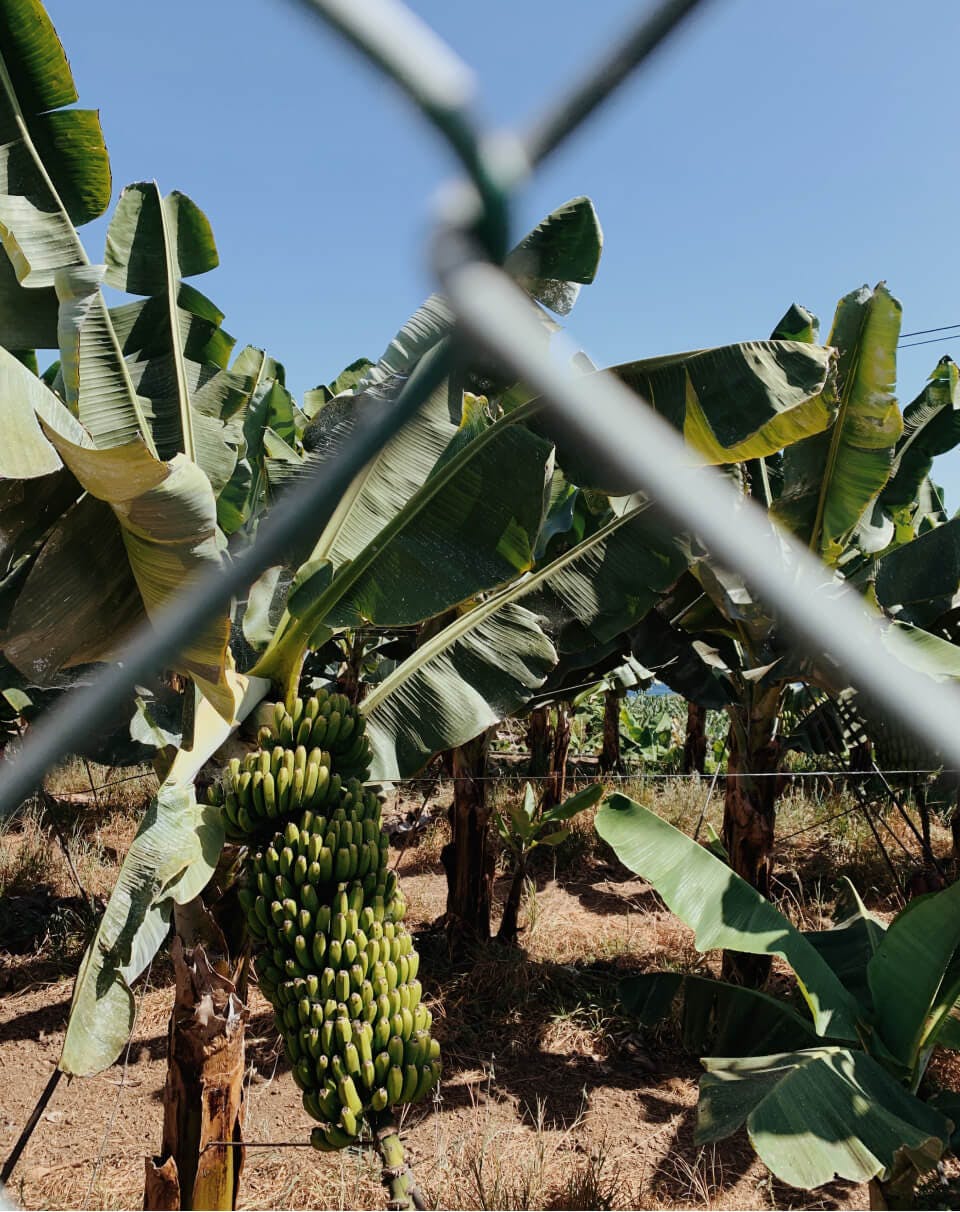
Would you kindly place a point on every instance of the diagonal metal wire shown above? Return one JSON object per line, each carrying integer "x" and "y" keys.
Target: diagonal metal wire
{"x": 606, "y": 76}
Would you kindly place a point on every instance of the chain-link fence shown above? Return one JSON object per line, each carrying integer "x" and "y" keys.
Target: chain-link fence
{"x": 637, "y": 449}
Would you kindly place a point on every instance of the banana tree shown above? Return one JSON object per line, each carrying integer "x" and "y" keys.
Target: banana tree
{"x": 827, "y": 489}
{"x": 177, "y": 830}
{"x": 830, "y": 1084}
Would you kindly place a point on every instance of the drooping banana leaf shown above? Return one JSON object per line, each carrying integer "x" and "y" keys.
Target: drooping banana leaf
{"x": 466, "y": 678}
{"x": 820, "y": 1114}
{"x": 733, "y": 403}
{"x": 169, "y": 862}
{"x": 457, "y": 683}
{"x": 167, "y": 527}
{"x": 931, "y": 426}
{"x": 739, "y": 402}
{"x": 831, "y": 479}
{"x": 695, "y": 885}
{"x": 728, "y": 1019}
{"x": 919, "y": 580}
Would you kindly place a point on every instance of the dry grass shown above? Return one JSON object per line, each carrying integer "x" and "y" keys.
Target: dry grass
{"x": 551, "y": 1098}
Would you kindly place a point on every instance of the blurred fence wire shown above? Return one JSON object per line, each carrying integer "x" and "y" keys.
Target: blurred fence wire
{"x": 638, "y": 449}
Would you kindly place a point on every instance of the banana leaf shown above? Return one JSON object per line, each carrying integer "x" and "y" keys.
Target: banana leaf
{"x": 457, "y": 684}
{"x": 831, "y": 479}
{"x": 931, "y": 426}
{"x": 912, "y": 999}
{"x": 167, "y": 527}
{"x": 715, "y": 1016}
{"x": 695, "y": 884}
{"x": 550, "y": 262}
{"x": 820, "y": 1114}
{"x": 170, "y": 861}
{"x": 919, "y": 580}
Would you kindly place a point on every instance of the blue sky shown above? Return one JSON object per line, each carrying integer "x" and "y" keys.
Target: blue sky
{"x": 771, "y": 154}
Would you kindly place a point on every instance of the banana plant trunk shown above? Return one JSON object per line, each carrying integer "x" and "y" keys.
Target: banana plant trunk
{"x": 695, "y": 743}
{"x": 555, "y": 784}
{"x": 201, "y": 1153}
{"x": 468, "y": 857}
{"x": 749, "y": 810}
{"x": 509, "y": 930}
{"x": 610, "y": 761}
{"x": 539, "y": 742}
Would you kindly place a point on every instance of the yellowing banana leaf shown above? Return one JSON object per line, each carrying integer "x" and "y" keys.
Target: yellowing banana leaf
{"x": 167, "y": 524}
{"x": 169, "y": 862}
{"x": 820, "y": 1114}
{"x": 695, "y": 884}
{"x": 24, "y": 451}
{"x": 831, "y": 479}
{"x": 739, "y": 402}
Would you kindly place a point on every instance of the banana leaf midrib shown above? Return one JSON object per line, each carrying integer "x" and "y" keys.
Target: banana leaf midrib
{"x": 7, "y": 84}
{"x": 927, "y": 1037}
{"x": 180, "y": 370}
{"x": 21, "y": 122}
{"x": 836, "y": 437}
{"x": 504, "y": 597}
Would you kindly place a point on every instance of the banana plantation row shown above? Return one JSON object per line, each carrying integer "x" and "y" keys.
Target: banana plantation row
{"x": 479, "y": 568}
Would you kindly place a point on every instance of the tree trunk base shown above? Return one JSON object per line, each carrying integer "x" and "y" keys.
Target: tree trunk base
{"x": 199, "y": 1164}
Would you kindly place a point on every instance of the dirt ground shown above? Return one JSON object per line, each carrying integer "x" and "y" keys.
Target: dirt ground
{"x": 550, "y": 1099}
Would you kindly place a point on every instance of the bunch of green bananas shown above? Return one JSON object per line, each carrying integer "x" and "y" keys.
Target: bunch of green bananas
{"x": 336, "y": 961}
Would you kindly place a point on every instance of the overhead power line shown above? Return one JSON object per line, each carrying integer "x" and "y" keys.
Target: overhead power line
{"x": 930, "y": 341}
{"x": 922, "y": 332}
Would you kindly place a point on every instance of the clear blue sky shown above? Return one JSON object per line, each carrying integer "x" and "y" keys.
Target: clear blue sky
{"x": 771, "y": 154}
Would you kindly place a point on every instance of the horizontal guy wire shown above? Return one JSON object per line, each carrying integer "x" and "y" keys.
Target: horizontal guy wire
{"x": 641, "y": 774}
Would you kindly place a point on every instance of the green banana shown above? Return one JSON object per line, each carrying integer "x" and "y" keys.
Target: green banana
{"x": 340, "y": 968}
